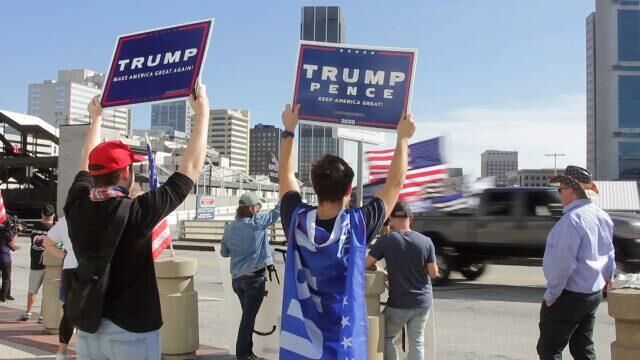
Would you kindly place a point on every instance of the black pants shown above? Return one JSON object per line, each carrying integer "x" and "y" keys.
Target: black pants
{"x": 569, "y": 320}
{"x": 250, "y": 290}
{"x": 65, "y": 330}
{"x": 5, "y": 268}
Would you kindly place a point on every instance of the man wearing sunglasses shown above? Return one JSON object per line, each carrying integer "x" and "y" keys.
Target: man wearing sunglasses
{"x": 579, "y": 263}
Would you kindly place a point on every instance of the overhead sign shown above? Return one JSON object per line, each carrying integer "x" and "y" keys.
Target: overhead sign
{"x": 365, "y": 136}
{"x": 157, "y": 65}
{"x": 350, "y": 85}
{"x": 205, "y": 207}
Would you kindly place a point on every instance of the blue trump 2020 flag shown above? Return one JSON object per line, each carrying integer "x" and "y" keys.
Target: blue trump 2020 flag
{"x": 324, "y": 314}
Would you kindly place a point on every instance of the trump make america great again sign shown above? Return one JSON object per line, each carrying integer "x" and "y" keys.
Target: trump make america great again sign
{"x": 350, "y": 85}
{"x": 157, "y": 65}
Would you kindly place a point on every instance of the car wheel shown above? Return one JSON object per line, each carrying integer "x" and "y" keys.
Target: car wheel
{"x": 443, "y": 270}
{"x": 472, "y": 271}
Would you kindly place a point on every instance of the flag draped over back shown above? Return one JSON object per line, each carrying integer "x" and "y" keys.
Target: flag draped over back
{"x": 3, "y": 211}
{"x": 324, "y": 314}
{"x": 161, "y": 234}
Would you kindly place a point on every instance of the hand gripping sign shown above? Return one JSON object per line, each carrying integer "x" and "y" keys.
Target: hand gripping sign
{"x": 157, "y": 65}
{"x": 350, "y": 85}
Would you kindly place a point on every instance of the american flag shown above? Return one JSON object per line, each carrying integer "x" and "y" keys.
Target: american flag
{"x": 3, "y": 212}
{"x": 161, "y": 234}
{"x": 425, "y": 173}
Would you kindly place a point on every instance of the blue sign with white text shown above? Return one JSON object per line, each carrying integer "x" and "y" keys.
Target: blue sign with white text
{"x": 156, "y": 65}
{"x": 353, "y": 85}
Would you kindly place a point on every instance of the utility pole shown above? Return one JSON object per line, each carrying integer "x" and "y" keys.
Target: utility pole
{"x": 555, "y": 161}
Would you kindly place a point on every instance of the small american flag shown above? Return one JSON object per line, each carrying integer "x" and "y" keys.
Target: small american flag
{"x": 425, "y": 173}
{"x": 3, "y": 212}
{"x": 161, "y": 234}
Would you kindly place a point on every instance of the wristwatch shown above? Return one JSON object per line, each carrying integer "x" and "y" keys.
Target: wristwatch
{"x": 287, "y": 133}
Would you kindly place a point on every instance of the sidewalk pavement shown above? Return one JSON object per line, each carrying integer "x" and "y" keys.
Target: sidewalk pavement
{"x": 27, "y": 340}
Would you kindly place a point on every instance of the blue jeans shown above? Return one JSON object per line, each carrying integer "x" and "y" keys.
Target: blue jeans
{"x": 114, "y": 342}
{"x": 395, "y": 319}
{"x": 250, "y": 290}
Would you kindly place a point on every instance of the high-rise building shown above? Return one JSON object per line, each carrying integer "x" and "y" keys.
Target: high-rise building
{"x": 64, "y": 102}
{"x": 229, "y": 136}
{"x": 498, "y": 163}
{"x": 263, "y": 139}
{"x": 613, "y": 90}
{"x": 532, "y": 177}
{"x": 319, "y": 23}
{"x": 173, "y": 117}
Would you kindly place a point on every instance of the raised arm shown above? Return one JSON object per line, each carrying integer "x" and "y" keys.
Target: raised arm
{"x": 196, "y": 150}
{"x": 268, "y": 219}
{"x": 93, "y": 136}
{"x": 398, "y": 169}
{"x": 286, "y": 173}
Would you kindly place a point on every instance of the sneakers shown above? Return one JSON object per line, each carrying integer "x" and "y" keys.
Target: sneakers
{"x": 25, "y": 317}
{"x": 40, "y": 320}
{"x": 9, "y": 297}
{"x": 61, "y": 356}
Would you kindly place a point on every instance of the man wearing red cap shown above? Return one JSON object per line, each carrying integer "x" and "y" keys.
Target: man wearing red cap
{"x": 131, "y": 316}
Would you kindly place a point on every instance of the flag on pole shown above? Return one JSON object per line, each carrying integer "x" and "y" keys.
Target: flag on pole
{"x": 425, "y": 172}
{"x": 3, "y": 212}
{"x": 161, "y": 234}
{"x": 426, "y": 186}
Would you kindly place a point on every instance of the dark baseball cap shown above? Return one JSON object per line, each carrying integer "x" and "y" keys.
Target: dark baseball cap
{"x": 48, "y": 210}
{"x": 111, "y": 156}
{"x": 401, "y": 210}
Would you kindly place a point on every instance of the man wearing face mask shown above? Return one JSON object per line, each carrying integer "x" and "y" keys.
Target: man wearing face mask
{"x": 131, "y": 317}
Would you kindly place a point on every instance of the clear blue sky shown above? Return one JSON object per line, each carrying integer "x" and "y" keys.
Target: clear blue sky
{"x": 495, "y": 58}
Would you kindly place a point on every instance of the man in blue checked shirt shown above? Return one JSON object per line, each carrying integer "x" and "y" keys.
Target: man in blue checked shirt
{"x": 578, "y": 264}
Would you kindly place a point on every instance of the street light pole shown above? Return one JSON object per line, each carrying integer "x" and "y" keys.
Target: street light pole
{"x": 555, "y": 161}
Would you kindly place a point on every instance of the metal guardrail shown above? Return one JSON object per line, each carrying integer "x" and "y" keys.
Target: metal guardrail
{"x": 211, "y": 231}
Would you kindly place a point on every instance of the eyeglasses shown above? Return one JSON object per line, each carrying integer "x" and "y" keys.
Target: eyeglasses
{"x": 562, "y": 188}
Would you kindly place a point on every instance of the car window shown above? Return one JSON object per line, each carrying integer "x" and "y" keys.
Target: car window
{"x": 541, "y": 203}
{"x": 499, "y": 203}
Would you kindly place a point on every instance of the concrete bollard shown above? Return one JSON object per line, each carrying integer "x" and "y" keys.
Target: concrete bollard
{"x": 179, "y": 302}
{"x": 374, "y": 287}
{"x": 624, "y": 306}
{"x": 51, "y": 305}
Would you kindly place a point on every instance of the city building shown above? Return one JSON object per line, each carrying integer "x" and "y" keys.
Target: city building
{"x": 172, "y": 117}
{"x": 318, "y": 23}
{"x": 455, "y": 172}
{"x": 64, "y": 101}
{"x": 613, "y": 88}
{"x": 264, "y": 139}
{"x": 229, "y": 136}
{"x": 531, "y": 177}
{"x": 498, "y": 163}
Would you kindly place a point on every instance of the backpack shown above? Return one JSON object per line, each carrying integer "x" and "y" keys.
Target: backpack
{"x": 85, "y": 302}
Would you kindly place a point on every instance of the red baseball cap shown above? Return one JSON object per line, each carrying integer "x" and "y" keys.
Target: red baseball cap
{"x": 111, "y": 156}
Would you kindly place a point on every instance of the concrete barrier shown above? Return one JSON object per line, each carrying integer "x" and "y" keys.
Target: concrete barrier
{"x": 624, "y": 306}
{"x": 374, "y": 287}
{"x": 180, "y": 334}
{"x": 51, "y": 305}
